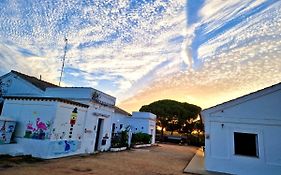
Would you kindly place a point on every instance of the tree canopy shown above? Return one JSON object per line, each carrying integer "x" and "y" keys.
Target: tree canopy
{"x": 172, "y": 114}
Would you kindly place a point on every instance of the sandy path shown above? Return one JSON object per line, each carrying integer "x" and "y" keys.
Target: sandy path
{"x": 164, "y": 159}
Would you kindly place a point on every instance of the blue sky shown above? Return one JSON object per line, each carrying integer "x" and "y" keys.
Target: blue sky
{"x": 199, "y": 51}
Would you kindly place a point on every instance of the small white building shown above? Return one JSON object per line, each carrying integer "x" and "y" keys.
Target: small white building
{"x": 243, "y": 136}
{"x": 45, "y": 127}
{"x": 74, "y": 120}
{"x": 144, "y": 122}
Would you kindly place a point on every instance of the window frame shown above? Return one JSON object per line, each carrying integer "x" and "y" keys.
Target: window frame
{"x": 256, "y": 135}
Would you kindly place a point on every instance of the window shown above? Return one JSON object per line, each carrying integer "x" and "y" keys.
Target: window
{"x": 246, "y": 144}
{"x": 121, "y": 126}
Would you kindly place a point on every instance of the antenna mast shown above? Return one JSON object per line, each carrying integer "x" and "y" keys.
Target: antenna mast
{"x": 63, "y": 59}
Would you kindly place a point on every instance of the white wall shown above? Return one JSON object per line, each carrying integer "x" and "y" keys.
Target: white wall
{"x": 260, "y": 115}
{"x": 61, "y": 127}
{"x": 53, "y": 140}
{"x": 144, "y": 122}
{"x": 27, "y": 113}
{"x": 106, "y": 131}
{"x": 91, "y": 125}
{"x": 119, "y": 119}
{"x": 77, "y": 93}
{"x": 260, "y": 107}
{"x": 14, "y": 85}
{"x": 95, "y": 111}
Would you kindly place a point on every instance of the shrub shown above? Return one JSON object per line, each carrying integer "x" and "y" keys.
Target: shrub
{"x": 195, "y": 140}
{"x": 119, "y": 139}
{"x": 141, "y": 138}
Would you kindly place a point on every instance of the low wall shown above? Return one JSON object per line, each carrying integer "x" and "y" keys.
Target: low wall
{"x": 45, "y": 149}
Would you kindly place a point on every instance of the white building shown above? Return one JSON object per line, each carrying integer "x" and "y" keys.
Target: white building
{"x": 144, "y": 122}
{"x": 43, "y": 126}
{"x": 243, "y": 136}
{"x": 30, "y": 101}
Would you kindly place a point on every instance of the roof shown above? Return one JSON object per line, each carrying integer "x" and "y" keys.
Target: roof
{"x": 35, "y": 81}
{"x": 2, "y": 118}
{"x": 47, "y": 99}
{"x": 246, "y": 97}
{"x": 121, "y": 111}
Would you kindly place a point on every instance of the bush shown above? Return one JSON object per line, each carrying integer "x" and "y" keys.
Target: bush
{"x": 195, "y": 140}
{"x": 119, "y": 140}
{"x": 141, "y": 138}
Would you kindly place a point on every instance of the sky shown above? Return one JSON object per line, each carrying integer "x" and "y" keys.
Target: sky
{"x": 203, "y": 52}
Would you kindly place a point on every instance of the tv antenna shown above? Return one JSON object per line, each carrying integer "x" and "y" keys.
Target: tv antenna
{"x": 63, "y": 58}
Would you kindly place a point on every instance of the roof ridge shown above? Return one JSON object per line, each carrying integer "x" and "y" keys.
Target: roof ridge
{"x": 244, "y": 96}
{"x": 122, "y": 111}
{"x": 64, "y": 100}
{"x": 41, "y": 84}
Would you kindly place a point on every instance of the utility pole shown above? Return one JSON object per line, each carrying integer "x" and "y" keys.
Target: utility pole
{"x": 63, "y": 59}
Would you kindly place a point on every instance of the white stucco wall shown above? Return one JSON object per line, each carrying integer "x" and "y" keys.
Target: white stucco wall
{"x": 119, "y": 119}
{"x": 79, "y": 93}
{"x": 259, "y": 114}
{"x": 14, "y": 85}
{"x": 27, "y": 112}
{"x": 95, "y": 111}
{"x": 144, "y": 122}
{"x": 43, "y": 128}
{"x": 56, "y": 114}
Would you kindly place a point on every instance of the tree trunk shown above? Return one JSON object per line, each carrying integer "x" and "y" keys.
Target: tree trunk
{"x": 162, "y": 133}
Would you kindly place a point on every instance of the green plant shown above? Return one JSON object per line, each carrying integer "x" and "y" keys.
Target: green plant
{"x": 119, "y": 139}
{"x": 141, "y": 138}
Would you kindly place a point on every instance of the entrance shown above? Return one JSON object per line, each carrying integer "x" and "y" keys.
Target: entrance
{"x": 99, "y": 132}
{"x": 1, "y": 105}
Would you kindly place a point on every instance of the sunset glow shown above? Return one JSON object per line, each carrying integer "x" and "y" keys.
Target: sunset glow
{"x": 203, "y": 52}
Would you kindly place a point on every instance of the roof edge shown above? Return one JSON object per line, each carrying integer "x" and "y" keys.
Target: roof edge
{"x": 47, "y": 99}
{"x": 244, "y": 98}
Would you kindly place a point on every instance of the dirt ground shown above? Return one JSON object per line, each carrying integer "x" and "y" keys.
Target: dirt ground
{"x": 164, "y": 159}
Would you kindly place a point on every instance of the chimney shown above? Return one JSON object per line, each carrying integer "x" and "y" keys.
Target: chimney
{"x": 40, "y": 77}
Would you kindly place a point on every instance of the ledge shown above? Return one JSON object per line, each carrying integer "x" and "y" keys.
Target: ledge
{"x": 142, "y": 146}
{"x": 118, "y": 149}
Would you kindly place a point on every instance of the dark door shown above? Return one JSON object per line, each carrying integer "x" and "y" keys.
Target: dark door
{"x": 1, "y": 105}
{"x": 113, "y": 129}
{"x": 98, "y": 134}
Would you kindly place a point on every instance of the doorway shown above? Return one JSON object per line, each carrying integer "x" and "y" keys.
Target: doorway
{"x": 1, "y": 106}
{"x": 99, "y": 133}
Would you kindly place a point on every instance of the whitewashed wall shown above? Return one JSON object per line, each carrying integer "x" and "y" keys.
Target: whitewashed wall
{"x": 105, "y": 134}
{"x": 43, "y": 128}
{"x": 95, "y": 111}
{"x": 261, "y": 115}
{"x": 14, "y": 85}
{"x": 27, "y": 113}
{"x": 119, "y": 119}
{"x": 79, "y": 93}
{"x": 144, "y": 122}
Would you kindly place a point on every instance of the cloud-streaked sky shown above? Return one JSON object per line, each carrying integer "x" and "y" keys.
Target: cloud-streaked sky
{"x": 199, "y": 51}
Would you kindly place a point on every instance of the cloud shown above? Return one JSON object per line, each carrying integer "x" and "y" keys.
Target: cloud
{"x": 237, "y": 58}
{"x": 122, "y": 40}
{"x": 142, "y": 51}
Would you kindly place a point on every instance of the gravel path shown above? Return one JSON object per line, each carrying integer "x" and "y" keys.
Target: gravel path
{"x": 164, "y": 159}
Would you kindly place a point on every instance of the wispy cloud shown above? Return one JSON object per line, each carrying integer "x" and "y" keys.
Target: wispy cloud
{"x": 200, "y": 51}
{"x": 236, "y": 57}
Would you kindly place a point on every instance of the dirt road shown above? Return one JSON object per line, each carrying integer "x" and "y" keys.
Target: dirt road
{"x": 164, "y": 159}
